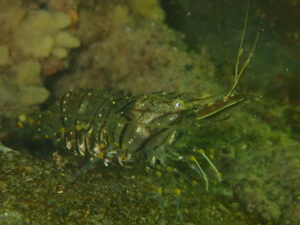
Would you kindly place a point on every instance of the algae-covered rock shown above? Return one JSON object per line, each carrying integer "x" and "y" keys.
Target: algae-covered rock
{"x": 135, "y": 55}
{"x": 4, "y": 55}
{"x": 256, "y": 161}
{"x": 11, "y": 217}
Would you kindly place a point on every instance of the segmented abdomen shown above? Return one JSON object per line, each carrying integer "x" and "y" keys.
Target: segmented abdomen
{"x": 98, "y": 124}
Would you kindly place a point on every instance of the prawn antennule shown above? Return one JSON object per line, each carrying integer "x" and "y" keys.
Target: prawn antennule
{"x": 238, "y": 72}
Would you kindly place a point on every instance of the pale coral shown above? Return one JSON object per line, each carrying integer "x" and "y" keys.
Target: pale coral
{"x": 10, "y": 14}
{"x": 149, "y": 9}
{"x": 41, "y": 33}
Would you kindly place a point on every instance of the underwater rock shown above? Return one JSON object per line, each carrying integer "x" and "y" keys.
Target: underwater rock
{"x": 4, "y": 55}
{"x": 129, "y": 53}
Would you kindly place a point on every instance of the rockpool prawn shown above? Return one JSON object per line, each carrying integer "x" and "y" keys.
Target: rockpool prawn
{"x": 104, "y": 126}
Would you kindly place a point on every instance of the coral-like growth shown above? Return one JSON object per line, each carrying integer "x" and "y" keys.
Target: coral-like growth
{"x": 149, "y": 9}
{"x": 40, "y": 34}
{"x": 33, "y": 43}
{"x": 11, "y": 13}
{"x": 133, "y": 54}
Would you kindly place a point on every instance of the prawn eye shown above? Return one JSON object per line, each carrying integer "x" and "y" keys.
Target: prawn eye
{"x": 178, "y": 104}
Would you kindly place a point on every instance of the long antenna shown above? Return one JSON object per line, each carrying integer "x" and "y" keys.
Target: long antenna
{"x": 239, "y": 72}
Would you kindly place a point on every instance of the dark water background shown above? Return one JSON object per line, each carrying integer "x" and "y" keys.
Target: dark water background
{"x": 218, "y": 24}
